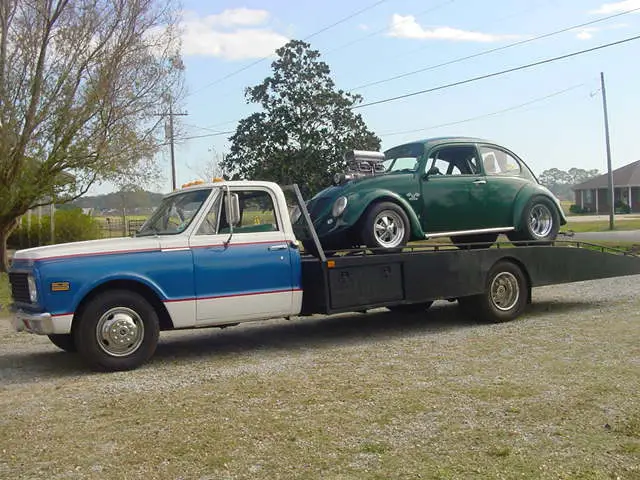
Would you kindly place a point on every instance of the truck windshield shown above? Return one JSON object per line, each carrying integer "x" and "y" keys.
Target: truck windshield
{"x": 175, "y": 213}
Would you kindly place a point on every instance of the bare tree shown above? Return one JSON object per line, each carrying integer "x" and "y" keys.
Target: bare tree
{"x": 81, "y": 83}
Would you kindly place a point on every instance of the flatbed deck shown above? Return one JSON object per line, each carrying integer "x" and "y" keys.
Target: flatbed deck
{"x": 361, "y": 280}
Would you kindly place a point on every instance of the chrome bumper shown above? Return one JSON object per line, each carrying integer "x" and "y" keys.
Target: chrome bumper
{"x": 39, "y": 323}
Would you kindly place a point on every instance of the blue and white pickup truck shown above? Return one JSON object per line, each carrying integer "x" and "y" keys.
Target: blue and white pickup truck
{"x": 217, "y": 254}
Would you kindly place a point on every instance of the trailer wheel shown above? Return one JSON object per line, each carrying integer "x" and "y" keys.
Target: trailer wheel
{"x": 410, "y": 307}
{"x": 117, "y": 330}
{"x": 63, "y": 341}
{"x": 505, "y": 296}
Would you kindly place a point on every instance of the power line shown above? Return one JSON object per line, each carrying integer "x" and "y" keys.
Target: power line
{"x": 372, "y": 34}
{"x": 492, "y": 50}
{"x": 260, "y": 60}
{"x": 349, "y": 17}
{"x": 478, "y": 117}
{"x": 496, "y": 74}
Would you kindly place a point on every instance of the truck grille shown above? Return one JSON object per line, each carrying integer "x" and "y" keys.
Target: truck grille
{"x": 19, "y": 287}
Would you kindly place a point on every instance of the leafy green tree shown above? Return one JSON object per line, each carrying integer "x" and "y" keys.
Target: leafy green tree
{"x": 80, "y": 88}
{"x": 560, "y": 181}
{"x": 304, "y": 127}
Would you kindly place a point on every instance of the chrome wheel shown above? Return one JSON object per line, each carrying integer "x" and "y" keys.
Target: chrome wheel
{"x": 505, "y": 291}
{"x": 120, "y": 332}
{"x": 540, "y": 221}
{"x": 388, "y": 229}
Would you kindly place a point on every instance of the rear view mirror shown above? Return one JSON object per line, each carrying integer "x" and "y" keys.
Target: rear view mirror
{"x": 233, "y": 209}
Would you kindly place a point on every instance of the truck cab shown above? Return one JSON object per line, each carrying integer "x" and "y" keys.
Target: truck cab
{"x": 210, "y": 255}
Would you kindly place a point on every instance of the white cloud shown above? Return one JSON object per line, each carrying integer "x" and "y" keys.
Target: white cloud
{"x": 588, "y": 33}
{"x": 617, "y": 7}
{"x": 235, "y": 34}
{"x": 363, "y": 26}
{"x": 405, "y": 26}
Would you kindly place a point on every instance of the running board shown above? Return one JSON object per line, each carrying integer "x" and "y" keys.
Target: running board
{"x": 456, "y": 233}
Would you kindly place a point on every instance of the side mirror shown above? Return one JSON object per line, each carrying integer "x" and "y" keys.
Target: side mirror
{"x": 233, "y": 209}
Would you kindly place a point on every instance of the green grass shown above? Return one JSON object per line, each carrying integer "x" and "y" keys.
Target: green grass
{"x": 602, "y": 226}
{"x": 5, "y": 293}
{"x": 359, "y": 396}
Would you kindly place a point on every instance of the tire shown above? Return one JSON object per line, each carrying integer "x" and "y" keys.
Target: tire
{"x": 540, "y": 222}
{"x": 410, "y": 307}
{"x": 64, "y": 341}
{"x": 505, "y": 297}
{"x": 385, "y": 227}
{"x": 117, "y": 330}
{"x": 484, "y": 240}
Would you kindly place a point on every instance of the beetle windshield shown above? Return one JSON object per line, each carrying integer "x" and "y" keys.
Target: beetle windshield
{"x": 175, "y": 213}
{"x": 401, "y": 164}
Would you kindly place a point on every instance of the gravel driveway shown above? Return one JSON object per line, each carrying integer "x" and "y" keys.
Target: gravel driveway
{"x": 377, "y": 395}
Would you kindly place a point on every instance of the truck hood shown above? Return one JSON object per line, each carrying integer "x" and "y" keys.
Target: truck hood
{"x": 89, "y": 247}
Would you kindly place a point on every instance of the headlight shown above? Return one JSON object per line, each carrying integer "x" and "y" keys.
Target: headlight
{"x": 339, "y": 205}
{"x": 33, "y": 291}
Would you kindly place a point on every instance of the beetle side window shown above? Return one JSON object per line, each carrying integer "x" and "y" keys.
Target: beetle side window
{"x": 453, "y": 160}
{"x": 499, "y": 162}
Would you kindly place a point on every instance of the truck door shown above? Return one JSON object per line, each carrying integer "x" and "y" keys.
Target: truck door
{"x": 244, "y": 274}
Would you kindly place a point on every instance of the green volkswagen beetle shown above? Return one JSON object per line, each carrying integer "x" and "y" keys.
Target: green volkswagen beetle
{"x": 467, "y": 189}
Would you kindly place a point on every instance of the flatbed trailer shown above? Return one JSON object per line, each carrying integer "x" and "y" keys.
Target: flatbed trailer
{"x": 495, "y": 283}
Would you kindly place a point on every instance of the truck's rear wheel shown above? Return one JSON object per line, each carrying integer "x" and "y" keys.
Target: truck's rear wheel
{"x": 63, "y": 341}
{"x": 117, "y": 330}
{"x": 505, "y": 295}
{"x": 410, "y": 307}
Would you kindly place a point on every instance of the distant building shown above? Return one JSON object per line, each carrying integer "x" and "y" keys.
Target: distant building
{"x": 592, "y": 195}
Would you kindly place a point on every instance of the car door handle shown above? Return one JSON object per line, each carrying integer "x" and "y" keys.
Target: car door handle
{"x": 277, "y": 247}
{"x": 479, "y": 182}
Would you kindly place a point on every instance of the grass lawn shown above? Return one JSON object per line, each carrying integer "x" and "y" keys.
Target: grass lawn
{"x": 601, "y": 226}
{"x": 5, "y": 293}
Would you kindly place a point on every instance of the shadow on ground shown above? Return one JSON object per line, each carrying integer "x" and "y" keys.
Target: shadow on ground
{"x": 280, "y": 335}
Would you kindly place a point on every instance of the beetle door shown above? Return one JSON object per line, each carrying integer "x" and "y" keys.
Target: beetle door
{"x": 453, "y": 190}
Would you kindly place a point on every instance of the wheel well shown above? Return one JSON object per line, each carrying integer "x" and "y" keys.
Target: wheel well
{"x": 385, "y": 198}
{"x": 131, "y": 285}
{"x": 522, "y": 267}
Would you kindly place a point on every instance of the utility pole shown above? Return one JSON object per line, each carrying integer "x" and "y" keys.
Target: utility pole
{"x": 608, "y": 144}
{"x": 169, "y": 134}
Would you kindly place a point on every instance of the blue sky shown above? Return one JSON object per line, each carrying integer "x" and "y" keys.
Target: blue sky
{"x": 399, "y": 36}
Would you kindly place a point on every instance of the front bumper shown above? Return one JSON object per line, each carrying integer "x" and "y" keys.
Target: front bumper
{"x": 40, "y": 323}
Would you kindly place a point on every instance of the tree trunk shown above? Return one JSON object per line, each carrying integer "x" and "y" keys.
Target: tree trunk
{"x": 4, "y": 258}
{"x": 5, "y": 231}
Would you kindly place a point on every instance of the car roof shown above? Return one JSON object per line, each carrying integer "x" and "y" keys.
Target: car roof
{"x": 432, "y": 141}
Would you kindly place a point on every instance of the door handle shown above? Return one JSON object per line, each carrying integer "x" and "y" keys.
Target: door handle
{"x": 273, "y": 248}
{"x": 479, "y": 182}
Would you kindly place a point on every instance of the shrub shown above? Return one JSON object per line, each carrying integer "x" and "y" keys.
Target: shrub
{"x": 70, "y": 226}
{"x": 576, "y": 209}
{"x": 621, "y": 207}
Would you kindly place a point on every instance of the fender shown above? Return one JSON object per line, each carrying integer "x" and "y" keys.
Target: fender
{"x": 525, "y": 195}
{"x": 87, "y": 288}
{"x": 360, "y": 202}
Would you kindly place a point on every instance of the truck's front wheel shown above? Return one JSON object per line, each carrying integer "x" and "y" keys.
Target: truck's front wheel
{"x": 117, "y": 330}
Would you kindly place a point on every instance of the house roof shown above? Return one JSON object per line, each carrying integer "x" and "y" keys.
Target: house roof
{"x": 627, "y": 176}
